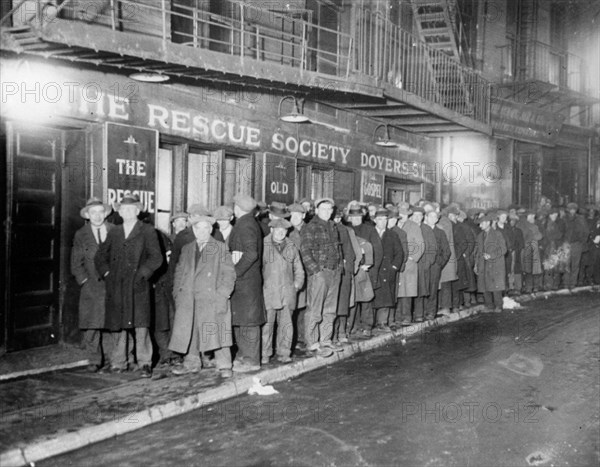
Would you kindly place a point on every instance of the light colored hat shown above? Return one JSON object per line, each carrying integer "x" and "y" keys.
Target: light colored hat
{"x": 198, "y": 210}
{"x": 572, "y": 206}
{"x": 324, "y": 200}
{"x": 223, "y": 213}
{"x": 296, "y": 207}
{"x": 245, "y": 202}
{"x": 404, "y": 208}
{"x": 130, "y": 200}
{"x": 279, "y": 222}
{"x": 94, "y": 202}
{"x": 199, "y": 218}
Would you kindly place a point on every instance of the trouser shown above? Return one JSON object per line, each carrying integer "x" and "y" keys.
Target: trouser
{"x": 97, "y": 344}
{"x": 322, "y": 296}
{"x": 367, "y": 316}
{"x": 457, "y": 296}
{"x": 404, "y": 309}
{"x": 285, "y": 332}
{"x": 193, "y": 360}
{"x": 426, "y": 307}
{"x": 248, "y": 340}
{"x": 382, "y": 316}
{"x": 143, "y": 347}
{"x": 493, "y": 299}
{"x": 595, "y": 257}
{"x": 531, "y": 282}
{"x": 340, "y": 327}
{"x": 551, "y": 279}
{"x": 574, "y": 260}
{"x": 299, "y": 316}
{"x": 445, "y": 294}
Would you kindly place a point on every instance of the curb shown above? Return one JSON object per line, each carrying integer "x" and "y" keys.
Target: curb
{"x": 47, "y": 369}
{"x": 61, "y": 443}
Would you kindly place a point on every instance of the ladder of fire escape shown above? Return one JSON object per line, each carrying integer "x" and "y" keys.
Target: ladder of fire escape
{"x": 435, "y": 22}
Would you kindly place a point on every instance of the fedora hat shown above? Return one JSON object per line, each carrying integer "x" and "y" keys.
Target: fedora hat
{"x": 130, "y": 200}
{"x": 90, "y": 204}
{"x": 279, "y": 209}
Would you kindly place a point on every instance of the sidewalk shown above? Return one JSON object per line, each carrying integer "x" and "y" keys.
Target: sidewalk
{"x": 46, "y": 413}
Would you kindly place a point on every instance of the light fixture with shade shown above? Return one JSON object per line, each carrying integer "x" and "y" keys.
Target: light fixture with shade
{"x": 149, "y": 77}
{"x": 297, "y": 115}
{"x": 385, "y": 142}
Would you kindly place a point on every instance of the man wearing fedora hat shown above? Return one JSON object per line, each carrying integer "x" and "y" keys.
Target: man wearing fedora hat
{"x": 247, "y": 303}
{"x": 87, "y": 240}
{"x": 490, "y": 264}
{"x": 224, "y": 217}
{"x": 126, "y": 262}
{"x": 576, "y": 235}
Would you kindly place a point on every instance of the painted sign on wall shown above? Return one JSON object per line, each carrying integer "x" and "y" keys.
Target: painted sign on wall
{"x": 371, "y": 188}
{"x": 279, "y": 178}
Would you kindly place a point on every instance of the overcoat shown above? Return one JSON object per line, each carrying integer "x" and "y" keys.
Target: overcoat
{"x": 346, "y": 293}
{"x": 203, "y": 287}
{"x": 427, "y": 260}
{"x": 368, "y": 232}
{"x": 362, "y": 281}
{"x": 247, "y": 305}
{"x": 393, "y": 256}
{"x": 409, "y": 278}
{"x": 93, "y": 291}
{"x": 530, "y": 256}
{"x": 131, "y": 262}
{"x": 464, "y": 245}
{"x": 283, "y": 274}
{"x": 296, "y": 238}
{"x": 491, "y": 275}
{"x": 449, "y": 272}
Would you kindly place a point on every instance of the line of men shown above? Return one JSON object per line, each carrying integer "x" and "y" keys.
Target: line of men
{"x": 226, "y": 283}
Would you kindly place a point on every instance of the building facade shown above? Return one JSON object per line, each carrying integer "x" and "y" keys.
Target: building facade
{"x": 181, "y": 101}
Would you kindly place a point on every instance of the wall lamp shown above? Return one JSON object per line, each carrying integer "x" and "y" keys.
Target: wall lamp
{"x": 149, "y": 77}
{"x": 385, "y": 142}
{"x": 297, "y": 115}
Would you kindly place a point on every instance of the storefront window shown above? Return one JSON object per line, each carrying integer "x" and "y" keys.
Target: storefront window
{"x": 203, "y": 171}
{"x": 238, "y": 177}
{"x": 314, "y": 182}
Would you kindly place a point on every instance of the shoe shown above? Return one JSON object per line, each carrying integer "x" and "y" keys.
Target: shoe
{"x": 443, "y": 312}
{"x": 118, "y": 369}
{"x": 284, "y": 359}
{"x": 245, "y": 367}
{"x": 184, "y": 370}
{"x": 226, "y": 373}
{"x": 323, "y": 352}
{"x": 208, "y": 363}
{"x": 332, "y": 346}
{"x": 146, "y": 371}
{"x": 344, "y": 340}
{"x": 93, "y": 368}
{"x": 382, "y": 328}
{"x": 265, "y": 360}
{"x": 419, "y": 320}
{"x": 405, "y": 323}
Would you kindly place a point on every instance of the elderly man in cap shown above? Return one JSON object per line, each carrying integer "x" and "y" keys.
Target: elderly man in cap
{"x": 126, "y": 262}
{"x": 186, "y": 235}
{"x": 322, "y": 258}
{"x": 224, "y": 217}
{"x": 86, "y": 242}
{"x": 204, "y": 280}
{"x": 283, "y": 275}
{"x": 247, "y": 304}
{"x": 409, "y": 276}
{"x": 490, "y": 264}
{"x": 576, "y": 235}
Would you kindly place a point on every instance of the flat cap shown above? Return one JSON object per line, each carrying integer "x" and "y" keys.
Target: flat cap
{"x": 179, "y": 215}
{"x": 324, "y": 200}
{"x": 296, "y": 207}
{"x": 200, "y": 218}
{"x": 223, "y": 213}
{"x": 572, "y": 206}
{"x": 280, "y": 223}
{"x": 245, "y": 202}
{"x": 198, "y": 210}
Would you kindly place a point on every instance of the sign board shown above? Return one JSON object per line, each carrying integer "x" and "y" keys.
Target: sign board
{"x": 371, "y": 187}
{"x": 279, "y": 178}
{"x": 130, "y": 163}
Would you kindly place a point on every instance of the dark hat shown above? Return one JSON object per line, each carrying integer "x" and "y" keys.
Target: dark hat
{"x": 553, "y": 210}
{"x": 223, "y": 213}
{"x": 279, "y": 222}
{"x": 452, "y": 210}
{"x": 94, "y": 202}
{"x": 354, "y": 210}
{"x": 244, "y": 202}
{"x": 418, "y": 209}
{"x": 296, "y": 207}
{"x": 279, "y": 209}
{"x": 324, "y": 200}
{"x": 474, "y": 211}
{"x": 486, "y": 217}
{"x": 572, "y": 206}
{"x": 382, "y": 212}
{"x": 393, "y": 212}
{"x": 130, "y": 200}
{"x": 179, "y": 215}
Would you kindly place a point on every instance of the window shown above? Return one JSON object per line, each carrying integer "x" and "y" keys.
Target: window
{"x": 314, "y": 182}
{"x": 238, "y": 177}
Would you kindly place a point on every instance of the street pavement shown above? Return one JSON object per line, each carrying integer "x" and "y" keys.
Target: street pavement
{"x": 501, "y": 389}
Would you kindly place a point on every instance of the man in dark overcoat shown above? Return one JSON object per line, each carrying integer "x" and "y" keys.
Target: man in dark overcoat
{"x": 490, "y": 264}
{"x": 247, "y": 304}
{"x": 391, "y": 263}
{"x": 95, "y": 342}
{"x": 576, "y": 235}
{"x": 464, "y": 245}
{"x": 126, "y": 262}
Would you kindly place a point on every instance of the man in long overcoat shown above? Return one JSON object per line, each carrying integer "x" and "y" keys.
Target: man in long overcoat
{"x": 126, "y": 262}
{"x": 95, "y": 342}
{"x": 448, "y": 276}
{"x": 391, "y": 263}
{"x": 247, "y": 305}
{"x": 464, "y": 246}
{"x": 576, "y": 235}
{"x": 409, "y": 278}
{"x": 204, "y": 280}
{"x": 283, "y": 275}
{"x": 490, "y": 264}
{"x": 531, "y": 259}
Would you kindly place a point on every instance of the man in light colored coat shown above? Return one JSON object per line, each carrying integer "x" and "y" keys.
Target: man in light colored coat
{"x": 88, "y": 238}
{"x": 283, "y": 277}
{"x": 204, "y": 280}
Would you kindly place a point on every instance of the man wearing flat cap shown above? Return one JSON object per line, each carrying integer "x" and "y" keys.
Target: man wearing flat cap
{"x": 490, "y": 264}
{"x": 86, "y": 242}
{"x": 224, "y": 217}
{"x": 247, "y": 304}
{"x": 322, "y": 258}
{"x": 283, "y": 276}
{"x": 126, "y": 262}
{"x": 204, "y": 280}
{"x": 576, "y": 235}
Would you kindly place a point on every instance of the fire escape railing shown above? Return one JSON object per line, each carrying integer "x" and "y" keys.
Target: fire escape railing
{"x": 377, "y": 48}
